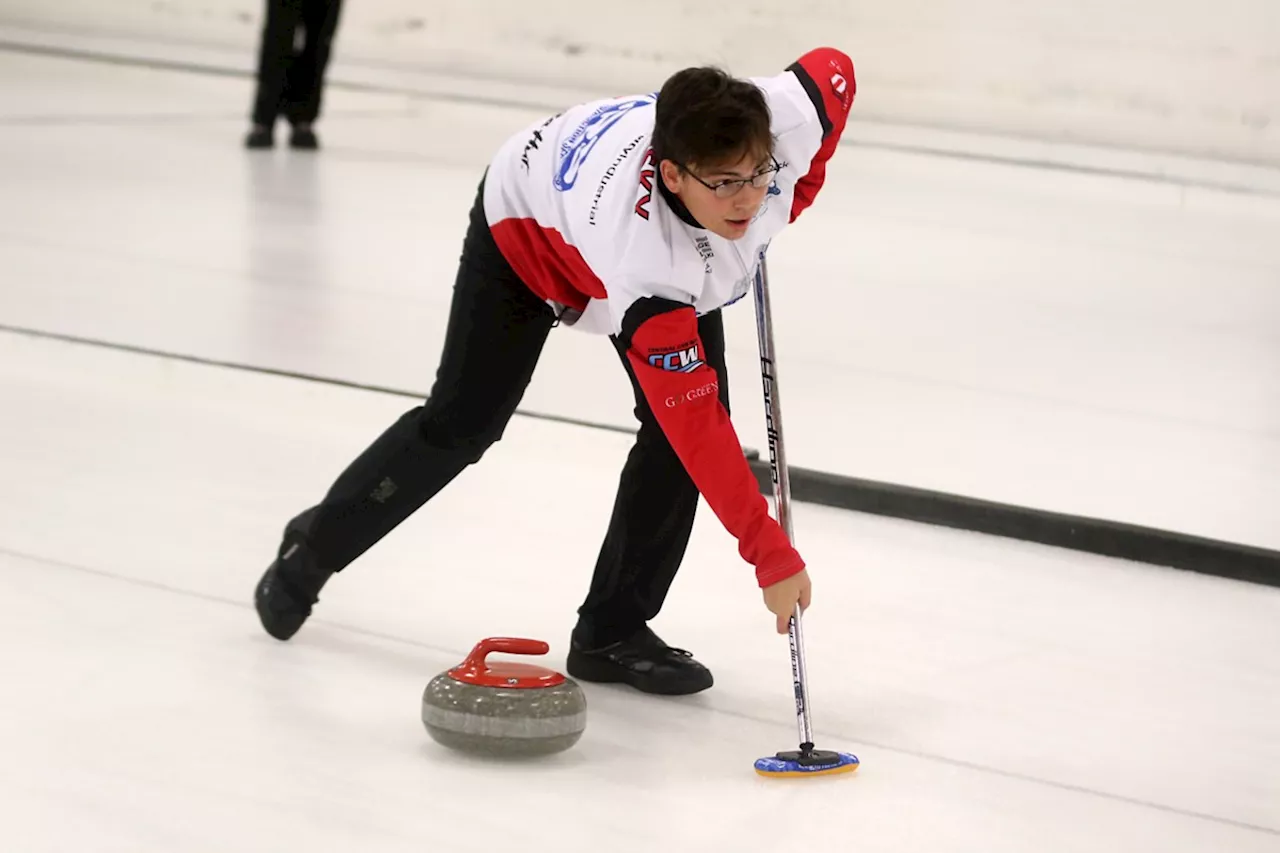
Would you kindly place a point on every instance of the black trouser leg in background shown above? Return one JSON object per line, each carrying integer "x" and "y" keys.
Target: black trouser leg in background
{"x": 304, "y": 81}
{"x": 652, "y": 518}
{"x": 275, "y": 53}
{"x": 495, "y": 335}
{"x": 290, "y": 82}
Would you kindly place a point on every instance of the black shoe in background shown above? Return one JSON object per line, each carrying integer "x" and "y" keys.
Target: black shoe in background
{"x": 303, "y": 138}
{"x": 259, "y": 137}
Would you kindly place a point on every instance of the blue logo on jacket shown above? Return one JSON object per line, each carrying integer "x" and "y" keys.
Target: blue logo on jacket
{"x": 576, "y": 148}
{"x": 680, "y": 361}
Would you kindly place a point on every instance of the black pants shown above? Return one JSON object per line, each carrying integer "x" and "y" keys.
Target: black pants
{"x": 496, "y": 331}
{"x": 291, "y": 81}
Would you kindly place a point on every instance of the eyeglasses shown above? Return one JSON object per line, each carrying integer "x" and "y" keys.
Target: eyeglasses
{"x": 732, "y": 186}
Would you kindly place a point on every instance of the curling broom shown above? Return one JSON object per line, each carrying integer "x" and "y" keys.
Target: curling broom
{"x": 806, "y": 761}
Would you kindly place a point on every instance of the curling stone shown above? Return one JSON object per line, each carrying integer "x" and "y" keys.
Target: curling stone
{"x": 504, "y": 709}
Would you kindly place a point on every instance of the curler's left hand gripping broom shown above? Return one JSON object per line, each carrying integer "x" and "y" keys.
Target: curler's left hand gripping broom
{"x": 807, "y": 760}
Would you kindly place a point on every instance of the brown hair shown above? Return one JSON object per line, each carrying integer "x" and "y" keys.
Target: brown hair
{"x": 707, "y": 118}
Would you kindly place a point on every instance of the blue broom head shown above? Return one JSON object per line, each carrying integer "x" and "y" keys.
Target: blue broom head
{"x": 812, "y": 762}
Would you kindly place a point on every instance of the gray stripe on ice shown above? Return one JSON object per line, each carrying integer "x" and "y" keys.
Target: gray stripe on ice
{"x": 504, "y": 727}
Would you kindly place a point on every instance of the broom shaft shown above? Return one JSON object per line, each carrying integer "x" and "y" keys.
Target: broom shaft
{"x": 781, "y": 487}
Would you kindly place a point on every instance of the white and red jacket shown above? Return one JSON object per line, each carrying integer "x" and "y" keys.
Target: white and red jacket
{"x": 577, "y": 207}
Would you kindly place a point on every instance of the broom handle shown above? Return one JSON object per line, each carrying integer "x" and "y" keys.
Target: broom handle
{"x": 781, "y": 487}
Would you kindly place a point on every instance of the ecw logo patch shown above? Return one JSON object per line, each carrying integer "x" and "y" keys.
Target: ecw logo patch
{"x": 683, "y": 360}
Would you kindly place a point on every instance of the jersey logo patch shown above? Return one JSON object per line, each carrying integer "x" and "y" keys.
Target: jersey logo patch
{"x": 647, "y": 173}
{"x": 577, "y": 147}
{"x": 684, "y": 360}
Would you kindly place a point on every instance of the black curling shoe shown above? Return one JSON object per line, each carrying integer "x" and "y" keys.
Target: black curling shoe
{"x": 642, "y": 661}
{"x": 288, "y": 589}
{"x": 304, "y": 138}
{"x": 260, "y": 137}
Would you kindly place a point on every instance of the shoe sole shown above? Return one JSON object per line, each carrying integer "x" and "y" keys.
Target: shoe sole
{"x": 603, "y": 672}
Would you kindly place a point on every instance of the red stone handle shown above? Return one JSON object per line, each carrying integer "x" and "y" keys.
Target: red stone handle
{"x": 505, "y": 645}
{"x": 476, "y": 670}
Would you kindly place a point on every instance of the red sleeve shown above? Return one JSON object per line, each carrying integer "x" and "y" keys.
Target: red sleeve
{"x": 666, "y": 356}
{"x": 827, "y": 76}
